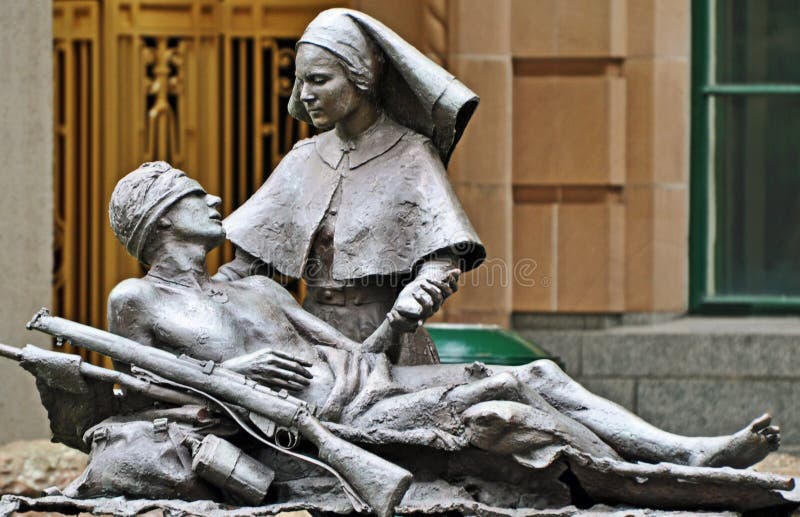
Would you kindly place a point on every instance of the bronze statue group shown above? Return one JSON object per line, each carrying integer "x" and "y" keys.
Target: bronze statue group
{"x": 236, "y": 394}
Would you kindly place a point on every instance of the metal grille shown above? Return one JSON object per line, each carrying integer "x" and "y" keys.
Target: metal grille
{"x": 79, "y": 207}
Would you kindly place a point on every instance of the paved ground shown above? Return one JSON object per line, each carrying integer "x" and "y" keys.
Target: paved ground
{"x": 781, "y": 463}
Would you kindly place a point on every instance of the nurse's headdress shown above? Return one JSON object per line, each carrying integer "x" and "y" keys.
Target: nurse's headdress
{"x": 411, "y": 89}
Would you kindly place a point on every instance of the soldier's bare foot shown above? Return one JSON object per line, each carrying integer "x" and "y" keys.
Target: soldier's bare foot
{"x": 740, "y": 450}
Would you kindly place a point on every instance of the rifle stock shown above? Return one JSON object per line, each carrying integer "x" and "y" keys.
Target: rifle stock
{"x": 380, "y": 483}
{"x": 358, "y": 468}
{"x": 48, "y": 359}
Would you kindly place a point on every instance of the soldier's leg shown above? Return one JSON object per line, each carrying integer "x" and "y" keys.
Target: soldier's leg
{"x": 638, "y": 440}
{"x": 503, "y": 415}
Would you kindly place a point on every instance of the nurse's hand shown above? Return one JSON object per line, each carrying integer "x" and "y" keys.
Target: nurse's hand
{"x": 272, "y": 368}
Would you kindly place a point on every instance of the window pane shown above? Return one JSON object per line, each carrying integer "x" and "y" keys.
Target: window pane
{"x": 757, "y": 41}
{"x": 756, "y": 185}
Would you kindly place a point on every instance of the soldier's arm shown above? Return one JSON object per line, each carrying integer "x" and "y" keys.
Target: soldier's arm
{"x": 309, "y": 326}
{"x": 129, "y": 310}
{"x": 130, "y": 316}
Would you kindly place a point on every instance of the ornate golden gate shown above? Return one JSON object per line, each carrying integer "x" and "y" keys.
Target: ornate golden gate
{"x": 202, "y": 84}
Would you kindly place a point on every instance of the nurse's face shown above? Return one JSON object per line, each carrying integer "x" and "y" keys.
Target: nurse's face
{"x": 325, "y": 90}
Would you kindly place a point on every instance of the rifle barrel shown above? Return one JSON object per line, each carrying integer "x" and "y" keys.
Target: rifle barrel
{"x": 219, "y": 381}
{"x": 10, "y": 352}
{"x": 144, "y": 387}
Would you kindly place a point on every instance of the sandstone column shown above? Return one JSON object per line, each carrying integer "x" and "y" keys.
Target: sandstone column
{"x": 479, "y": 55}
{"x": 657, "y": 148}
{"x": 26, "y": 208}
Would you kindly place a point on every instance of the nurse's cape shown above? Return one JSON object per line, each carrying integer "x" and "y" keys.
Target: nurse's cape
{"x": 397, "y": 206}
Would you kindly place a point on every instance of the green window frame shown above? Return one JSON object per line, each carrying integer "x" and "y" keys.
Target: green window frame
{"x": 704, "y": 90}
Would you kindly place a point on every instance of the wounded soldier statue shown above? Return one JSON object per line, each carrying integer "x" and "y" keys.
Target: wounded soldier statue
{"x": 229, "y": 398}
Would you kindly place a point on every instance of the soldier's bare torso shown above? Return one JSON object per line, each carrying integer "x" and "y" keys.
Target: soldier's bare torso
{"x": 222, "y": 321}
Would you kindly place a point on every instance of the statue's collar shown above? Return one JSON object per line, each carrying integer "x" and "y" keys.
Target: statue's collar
{"x": 376, "y": 140}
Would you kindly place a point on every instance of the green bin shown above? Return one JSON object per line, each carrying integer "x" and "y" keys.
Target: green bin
{"x": 489, "y": 344}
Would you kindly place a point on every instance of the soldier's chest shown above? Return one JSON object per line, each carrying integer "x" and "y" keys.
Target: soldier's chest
{"x": 201, "y": 325}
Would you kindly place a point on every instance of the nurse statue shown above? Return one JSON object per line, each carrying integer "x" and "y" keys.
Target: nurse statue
{"x": 363, "y": 212}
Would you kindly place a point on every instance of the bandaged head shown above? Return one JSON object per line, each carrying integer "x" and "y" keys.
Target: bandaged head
{"x": 141, "y": 198}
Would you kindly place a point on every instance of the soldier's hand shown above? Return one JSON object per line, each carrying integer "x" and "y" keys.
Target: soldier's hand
{"x": 402, "y": 323}
{"x": 273, "y": 368}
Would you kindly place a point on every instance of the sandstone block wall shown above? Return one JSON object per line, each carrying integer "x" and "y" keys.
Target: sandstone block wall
{"x": 601, "y": 125}
{"x": 574, "y": 169}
